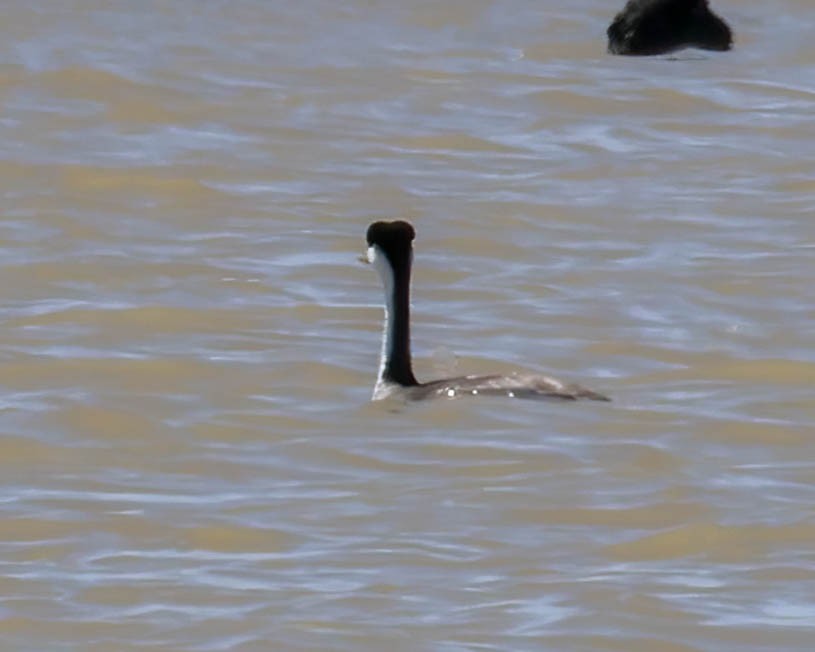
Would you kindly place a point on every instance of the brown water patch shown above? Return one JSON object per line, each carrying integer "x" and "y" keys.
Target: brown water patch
{"x": 734, "y": 544}
{"x": 650, "y": 516}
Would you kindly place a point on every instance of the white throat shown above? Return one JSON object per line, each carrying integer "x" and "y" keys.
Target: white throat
{"x": 380, "y": 262}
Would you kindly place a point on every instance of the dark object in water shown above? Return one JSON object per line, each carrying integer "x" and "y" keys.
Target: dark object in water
{"x": 658, "y": 26}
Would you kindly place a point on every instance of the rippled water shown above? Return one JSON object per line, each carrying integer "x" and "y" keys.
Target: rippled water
{"x": 189, "y": 458}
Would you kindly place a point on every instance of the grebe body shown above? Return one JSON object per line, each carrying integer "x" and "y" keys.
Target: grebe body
{"x": 390, "y": 251}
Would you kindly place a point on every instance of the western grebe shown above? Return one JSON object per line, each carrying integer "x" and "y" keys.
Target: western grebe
{"x": 646, "y": 27}
{"x": 390, "y": 251}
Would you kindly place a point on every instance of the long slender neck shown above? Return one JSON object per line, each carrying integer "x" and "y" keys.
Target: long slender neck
{"x": 395, "y": 365}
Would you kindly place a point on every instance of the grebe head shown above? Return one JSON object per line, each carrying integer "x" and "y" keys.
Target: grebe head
{"x": 394, "y": 241}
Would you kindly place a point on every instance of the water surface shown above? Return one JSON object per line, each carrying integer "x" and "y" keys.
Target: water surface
{"x": 189, "y": 458}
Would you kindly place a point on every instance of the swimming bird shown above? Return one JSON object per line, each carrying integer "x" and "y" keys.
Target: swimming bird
{"x": 390, "y": 251}
{"x": 646, "y": 27}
